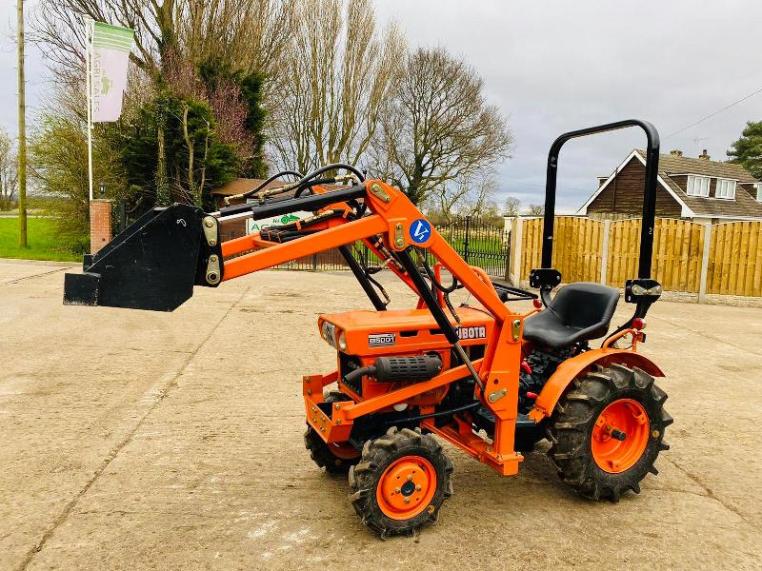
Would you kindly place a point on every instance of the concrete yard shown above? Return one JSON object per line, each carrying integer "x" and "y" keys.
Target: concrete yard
{"x": 142, "y": 440}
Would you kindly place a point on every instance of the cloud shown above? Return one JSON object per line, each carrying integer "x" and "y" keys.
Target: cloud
{"x": 555, "y": 66}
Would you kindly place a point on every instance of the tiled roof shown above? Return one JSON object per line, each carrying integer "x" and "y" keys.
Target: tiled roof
{"x": 744, "y": 205}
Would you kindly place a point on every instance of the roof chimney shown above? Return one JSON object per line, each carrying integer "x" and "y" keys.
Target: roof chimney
{"x": 704, "y": 155}
{"x": 676, "y": 153}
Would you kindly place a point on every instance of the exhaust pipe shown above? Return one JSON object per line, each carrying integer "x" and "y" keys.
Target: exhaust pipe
{"x": 153, "y": 264}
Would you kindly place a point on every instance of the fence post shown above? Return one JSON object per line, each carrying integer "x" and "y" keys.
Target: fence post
{"x": 605, "y": 252}
{"x": 506, "y": 244}
{"x": 705, "y": 262}
{"x": 516, "y": 248}
{"x": 465, "y": 241}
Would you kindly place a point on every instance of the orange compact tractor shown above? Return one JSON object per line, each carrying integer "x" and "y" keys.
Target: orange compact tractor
{"x": 488, "y": 380}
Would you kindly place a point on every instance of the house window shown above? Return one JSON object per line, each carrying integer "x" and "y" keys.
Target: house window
{"x": 698, "y": 185}
{"x": 725, "y": 189}
{"x": 759, "y": 191}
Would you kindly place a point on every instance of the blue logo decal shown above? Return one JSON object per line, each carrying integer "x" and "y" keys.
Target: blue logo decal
{"x": 420, "y": 231}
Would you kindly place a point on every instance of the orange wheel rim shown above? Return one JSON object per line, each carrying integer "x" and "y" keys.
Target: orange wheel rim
{"x": 620, "y": 435}
{"x": 406, "y": 487}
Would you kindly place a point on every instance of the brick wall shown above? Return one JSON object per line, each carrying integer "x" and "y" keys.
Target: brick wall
{"x": 100, "y": 224}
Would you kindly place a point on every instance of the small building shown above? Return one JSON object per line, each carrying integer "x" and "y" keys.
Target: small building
{"x": 697, "y": 189}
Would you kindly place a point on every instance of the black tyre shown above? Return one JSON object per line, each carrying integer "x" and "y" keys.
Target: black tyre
{"x": 401, "y": 482}
{"x": 335, "y": 458}
{"x": 607, "y": 432}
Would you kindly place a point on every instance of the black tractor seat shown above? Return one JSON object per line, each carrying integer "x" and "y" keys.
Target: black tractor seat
{"x": 578, "y": 312}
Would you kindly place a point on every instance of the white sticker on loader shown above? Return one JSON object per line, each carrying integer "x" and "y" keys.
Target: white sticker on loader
{"x": 477, "y": 332}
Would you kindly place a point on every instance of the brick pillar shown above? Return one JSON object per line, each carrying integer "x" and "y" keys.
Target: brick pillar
{"x": 100, "y": 224}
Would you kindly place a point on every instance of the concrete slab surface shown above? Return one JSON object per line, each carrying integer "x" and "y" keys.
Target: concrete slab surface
{"x": 142, "y": 440}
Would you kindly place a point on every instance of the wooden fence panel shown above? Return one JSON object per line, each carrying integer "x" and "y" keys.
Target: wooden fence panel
{"x": 735, "y": 259}
{"x": 531, "y": 246}
{"x": 577, "y": 247}
{"x": 676, "y": 260}
{"x": 623, "y": 251}
{"x": 735, "y": 253}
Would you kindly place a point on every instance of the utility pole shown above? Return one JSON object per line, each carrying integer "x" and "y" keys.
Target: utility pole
{"x": 22, "y": 127}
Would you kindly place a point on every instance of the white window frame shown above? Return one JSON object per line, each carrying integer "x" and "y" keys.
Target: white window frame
{"x": 721, "y": 182}
{"x": 703, "y": 181}
{"x": 759, "y": 191}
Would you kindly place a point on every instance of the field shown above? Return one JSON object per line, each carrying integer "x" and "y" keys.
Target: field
{"x": 150, "y": 440}
{"x": 43, "y": 244}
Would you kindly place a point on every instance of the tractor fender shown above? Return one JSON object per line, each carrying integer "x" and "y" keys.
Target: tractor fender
{"x": 570, "y": 369}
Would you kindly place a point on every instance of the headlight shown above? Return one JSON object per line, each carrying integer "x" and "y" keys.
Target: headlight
{"x": 342, "y": 341}
{"x": 328, "y": 332}
{"x": 638, "y": 290}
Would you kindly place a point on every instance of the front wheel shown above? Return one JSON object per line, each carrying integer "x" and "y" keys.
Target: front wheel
{"x": 608, "y": 431}
{"x": 401, "y": 482}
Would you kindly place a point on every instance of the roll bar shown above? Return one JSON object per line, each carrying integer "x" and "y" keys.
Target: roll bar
{"x": 649, "y": 191}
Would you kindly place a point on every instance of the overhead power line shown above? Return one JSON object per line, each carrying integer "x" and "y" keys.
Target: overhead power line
{"x": 749, "y": 96}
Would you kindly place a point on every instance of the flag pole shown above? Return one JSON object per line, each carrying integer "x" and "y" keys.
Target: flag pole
{"x": 88, "y": 72}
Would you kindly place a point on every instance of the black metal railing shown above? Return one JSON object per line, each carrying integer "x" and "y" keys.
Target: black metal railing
{"x": 482, "y": 243}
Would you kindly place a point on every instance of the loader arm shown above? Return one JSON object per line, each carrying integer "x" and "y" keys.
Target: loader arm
{"x": 155, "y": 263}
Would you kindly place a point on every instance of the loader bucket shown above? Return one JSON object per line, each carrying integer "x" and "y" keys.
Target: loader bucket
{"x": 153, "y": 264}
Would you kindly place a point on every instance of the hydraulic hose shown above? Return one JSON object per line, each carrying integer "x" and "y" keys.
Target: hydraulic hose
{"x": 334, "y": 166}
{"x": 276, "y": 176}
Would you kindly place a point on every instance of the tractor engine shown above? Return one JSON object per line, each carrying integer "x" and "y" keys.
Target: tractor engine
{"x": 379, "y": 352}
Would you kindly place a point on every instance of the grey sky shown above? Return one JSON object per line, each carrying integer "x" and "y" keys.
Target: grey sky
{"x": 553, "y": 66}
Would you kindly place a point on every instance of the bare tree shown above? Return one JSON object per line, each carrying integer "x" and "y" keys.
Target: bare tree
{"x": 439, "y": 129}
{"x": 250, "y": 33}
{"x": 8, "y": 175}
{"x": 536, "y": 210}
{"x": 338, "y": 77}
{"x": 58, "y": 164}
{"x": 465, "y": 197}
{"x": 511, "y": 206}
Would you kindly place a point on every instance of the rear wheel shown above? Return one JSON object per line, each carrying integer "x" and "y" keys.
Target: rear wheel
{"x": 401, "y": 482}
{"x": 608, "y": 430}
{"x": 335, "y": 458}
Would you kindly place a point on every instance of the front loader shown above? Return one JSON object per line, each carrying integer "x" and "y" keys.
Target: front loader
{"x": 485, "y": 378}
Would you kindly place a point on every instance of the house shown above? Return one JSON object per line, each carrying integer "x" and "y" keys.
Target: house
{"x": 698, "y": 189}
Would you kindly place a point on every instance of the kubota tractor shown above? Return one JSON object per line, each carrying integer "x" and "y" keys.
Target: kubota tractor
{"x": 486, "y": 379}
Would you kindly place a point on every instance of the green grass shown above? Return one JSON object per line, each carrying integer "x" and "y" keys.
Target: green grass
{"x": 43, "y": 242}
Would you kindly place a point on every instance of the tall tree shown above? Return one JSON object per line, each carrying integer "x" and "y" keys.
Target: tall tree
{"x": 8, "y": 172}
{"x": 339, "y": 74}
{"x": 58, "y": 153}
{"x": 255, "y": 31}
{"x": 184, "y": 38}
{"x": 439, "y": 129}
{"x": 747, "y": 150}
{"x": 511, "y": 206}
{"x": 536, "y": 210}
{"x": 473, "y": 196}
